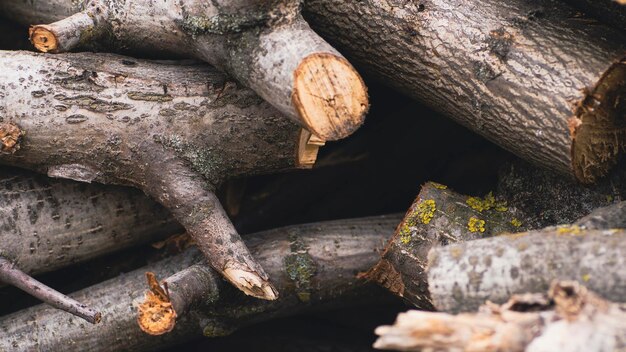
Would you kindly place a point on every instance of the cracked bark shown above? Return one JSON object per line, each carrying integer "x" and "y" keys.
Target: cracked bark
{"x": 266, "y": 46}
{"x": 174, "y": 130}
{"x": 313, "y": 265}
{"x": 567, "y": 319}
{"x": 528, "y": 76}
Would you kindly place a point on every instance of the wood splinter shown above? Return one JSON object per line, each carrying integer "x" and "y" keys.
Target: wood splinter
{"x": 11, "y": 275}
{"x": 266, "y": 45}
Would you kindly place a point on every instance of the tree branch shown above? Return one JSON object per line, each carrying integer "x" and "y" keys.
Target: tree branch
{"x": 11, "y": 275}
{"x": 266, "y": 45}
{"x": 535, "y": 79}
{"x": 173, "y": 130}
{"x": 312, "y": 265}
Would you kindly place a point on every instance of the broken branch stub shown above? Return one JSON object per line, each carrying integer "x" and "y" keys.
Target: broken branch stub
{"x": 535, "y": 79}
{"x": 173, "y": 130}
{"x": 266, "y": 45}
{"x": 314, "y": 266}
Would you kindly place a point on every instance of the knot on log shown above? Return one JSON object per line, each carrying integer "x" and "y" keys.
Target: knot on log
{"x": 10, "y": 137}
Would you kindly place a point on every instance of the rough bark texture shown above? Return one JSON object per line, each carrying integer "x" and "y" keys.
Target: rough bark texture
{"x": 438, "y": 216}
{"x": 545, "y": 199}
{"x": 463, "y": 276}
{"x": 47, "y": 224}
{"x": 611, "y": 217}
{"x": 569, "y": 318}
{"x": 266, "y": 45}
{"x": 311, "y": 264}
{"x": 173, "y": 130}
{"x": 610, "y": 11}
{"x": 527, "y": 75}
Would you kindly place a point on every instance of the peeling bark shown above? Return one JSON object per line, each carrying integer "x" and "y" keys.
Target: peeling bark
{"x": 527, "y": 75}
{"x": 47, "y": 224}
{"x": 569, "y": 318}
{"x": 313, "y": 265}
{"x": 173, "y": 130}
{"x": 463, "y": 276}
{"x": 266, "y": 45}
{"x": 438, "y": 216}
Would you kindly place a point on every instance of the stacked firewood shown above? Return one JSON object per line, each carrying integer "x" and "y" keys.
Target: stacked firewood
{"x": 139, "y": 129}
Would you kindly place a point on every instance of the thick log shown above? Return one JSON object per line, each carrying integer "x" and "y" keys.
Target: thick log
{"x": 528, "y": 75}
{"x": 266, "y": 45}
{"x": 47, "y": 224}
{"x": 322, "y": 273}
{"x": 569, "y": 318}
{"x": 462, "y": 276}
{"x": 610, "y": 217}
{"x": 173, "y": 130}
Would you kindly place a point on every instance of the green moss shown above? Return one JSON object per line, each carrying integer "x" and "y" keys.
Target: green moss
{"x": 201, "y": 160}
{"x": 222, "y": 23}
{"x": 300, "y": 268}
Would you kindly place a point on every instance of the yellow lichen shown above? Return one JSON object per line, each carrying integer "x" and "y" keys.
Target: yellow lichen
{"x": 569, "y": 230}
{"x": 586, "y": 277}
{"x": 438, "y": 185}
{"x": 426, "y": 210}
{"x": 476, "y": 225}
{"x": 609, "y": 199}
{"x": 486, "y": 203}
{"x": 515, "y": 222}
{"x": 405, "y": 234}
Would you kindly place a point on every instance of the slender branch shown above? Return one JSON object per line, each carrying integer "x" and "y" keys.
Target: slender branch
{"x": 565, "y": 319}
{"x": 266, "y": 45}
{"x": 535, "y": 79}
{"x": 173, "y": 130}
{"x": 312, "y": 265}
{"x": 11, "y": 275}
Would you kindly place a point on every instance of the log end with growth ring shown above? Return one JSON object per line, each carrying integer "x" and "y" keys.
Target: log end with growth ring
{"x": 329, "y": 95}
{"x": 599, "y": 126}
{"x": 251, "y": 283}
{"x": 43, "y": 38}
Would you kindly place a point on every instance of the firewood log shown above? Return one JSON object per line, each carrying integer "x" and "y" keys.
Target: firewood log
{"x": 569, "y": 318}
{"x": 319, "y": 274}
{"x": 609, "y": 11}
{"x": 174, "y": 130}
{"x": 265, "y": 45}
{"x": 527, "y": 75}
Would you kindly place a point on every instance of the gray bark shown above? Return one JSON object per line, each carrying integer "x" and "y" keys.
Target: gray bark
{"x": 173, "y": 130}
{"x": 313, "y": 265}
{"x": 463, "y": 276}
{"x": 266, "y": 45}
{"x": 47, "y": 224}
{"x": 527, "y": 75}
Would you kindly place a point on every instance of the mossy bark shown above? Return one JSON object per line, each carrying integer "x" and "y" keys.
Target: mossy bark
{"x": 438, "y": 216}
{"x": 337, "y": 251}
{"x": 174, "y": 130}
{"x": 528, "y": 75}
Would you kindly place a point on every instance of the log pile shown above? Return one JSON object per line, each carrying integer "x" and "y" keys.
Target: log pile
{"x": 141, "y": 140}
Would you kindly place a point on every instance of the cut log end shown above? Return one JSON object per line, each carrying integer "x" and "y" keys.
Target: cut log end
{"x": 251, "y": 283}
{"x": 43, "y": 38}
{"x": 330, "y": 96}
{"x": 308, "y": 147}
{"x": 599, "y": 127}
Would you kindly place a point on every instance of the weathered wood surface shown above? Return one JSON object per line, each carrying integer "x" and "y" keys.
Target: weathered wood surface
{"x": 527, "y": 75}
